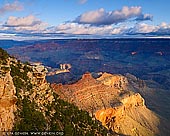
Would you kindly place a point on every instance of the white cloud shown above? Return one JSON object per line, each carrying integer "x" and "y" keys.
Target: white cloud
{"x": 101, "y": 17}
{"x": 164, "y": 29}
{"x": 119, "y": 30}
{"x": 145, "y": 28}
{"x": 22, "y": 21}
{"x": 75, "y": 28}
{"x": 142, "y": 28}
{"x": 68, "y": 30}
{"x": 164, "y": 25}
{"x": 10, "y": 7}
{"x": 23, "y": 24}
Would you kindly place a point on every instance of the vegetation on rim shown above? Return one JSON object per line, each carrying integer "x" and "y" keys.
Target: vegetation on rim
{"x": 66, "y": 116}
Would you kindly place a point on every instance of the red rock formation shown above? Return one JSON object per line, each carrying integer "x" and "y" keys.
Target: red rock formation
{"x": 88, "y": 92}
{"x": 110, "y": 100}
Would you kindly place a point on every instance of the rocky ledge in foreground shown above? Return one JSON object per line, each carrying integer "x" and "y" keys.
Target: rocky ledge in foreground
{"x": 28, "y": 103}
{"x": 114, "y": 102}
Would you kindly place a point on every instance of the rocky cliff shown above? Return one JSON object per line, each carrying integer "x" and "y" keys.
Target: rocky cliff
{"x": 7, "y": 95}
{"x": 28, "y": 103}
{"x": 114, "y": 102}
{"x": 131, "y": 118}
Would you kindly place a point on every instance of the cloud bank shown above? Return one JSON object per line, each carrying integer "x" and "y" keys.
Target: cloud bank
{"x": 24, "y": 24}
{"x": 162, "y": 29}
{"x": 75, "y": 28}
{"x": 102, "y": 17}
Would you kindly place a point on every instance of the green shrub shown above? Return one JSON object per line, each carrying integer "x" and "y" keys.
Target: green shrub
{"x": 3, "y": 54}
{"x": 31, "y": 120}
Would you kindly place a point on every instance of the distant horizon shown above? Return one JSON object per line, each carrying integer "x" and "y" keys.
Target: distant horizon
{"x": 114, "y": 38}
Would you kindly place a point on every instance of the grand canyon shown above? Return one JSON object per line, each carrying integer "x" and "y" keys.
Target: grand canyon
{"x": 123, "y": 84}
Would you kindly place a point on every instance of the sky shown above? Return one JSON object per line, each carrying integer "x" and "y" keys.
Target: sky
{"x": 45, "y": 19}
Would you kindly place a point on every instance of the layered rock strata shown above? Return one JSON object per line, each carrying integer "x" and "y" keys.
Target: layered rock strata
{"x": 110, "y": 99}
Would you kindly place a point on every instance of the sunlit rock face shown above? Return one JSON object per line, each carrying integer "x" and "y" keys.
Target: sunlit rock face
{"x": 93, "y": 94}
{"x": 7, "y": 98}
{"x": 110, "y": 99}
{"x": 40, "y": 92}
{"x": 116, "y": 81}
{"x": 131, "y": 118}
